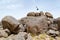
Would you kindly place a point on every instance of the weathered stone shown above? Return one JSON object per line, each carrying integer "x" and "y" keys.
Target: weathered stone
{"x": 10, "y": 23}
{"x": 49, "y": 15}
{"x": 57, "y": 20}
{"x": 3, "y": 33}
{"x": 35, "y": 24}
{"x": 22, "y": 36}
{"x": 41, "y": 13}
{"x": 10, "y": 37}
{"x": 37, "y": 14}
{"x": 2, "y": 38}
{"x": 31, "y": 14}
{"x": 22, "y": 28}
{"x": 51, "y": 20}
{"x": 7, "y": 31}
{"x": 53, "y": 26}
{"x": 1, "y": 27}
{"x": 53, "y": 33}
{"x": 29, "y": 37}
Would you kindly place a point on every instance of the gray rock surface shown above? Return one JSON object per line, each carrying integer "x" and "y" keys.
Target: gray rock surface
{"x": 3, "y": 33}
{"x": 35, "y": 24}
{"x": 57, "y": 20}
{"x": 10, "y": 23}
{"x": 22, "y": 36}
{"x": 53, "y": 33}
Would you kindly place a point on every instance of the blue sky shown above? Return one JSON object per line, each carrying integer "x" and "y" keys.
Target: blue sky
{"x": 19, "y": 8}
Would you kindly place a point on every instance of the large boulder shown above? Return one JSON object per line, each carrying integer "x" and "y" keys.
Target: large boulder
{"x": 35, "y": 25}
{"x": 49, "y": 15}
{"x": 10, "y": 23}
{"x": 31, "y": 14}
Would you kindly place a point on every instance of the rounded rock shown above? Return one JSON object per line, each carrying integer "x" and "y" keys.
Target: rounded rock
{"x": 49, "y": 15}
{"x": 31, "y": 14}
{"x": 10, "y": 23}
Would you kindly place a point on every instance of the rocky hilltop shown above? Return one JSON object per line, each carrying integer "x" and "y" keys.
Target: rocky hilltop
{"x": 35, "y": 26}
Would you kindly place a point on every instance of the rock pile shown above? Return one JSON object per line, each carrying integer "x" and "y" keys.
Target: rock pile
{"x": 30, "y": 27}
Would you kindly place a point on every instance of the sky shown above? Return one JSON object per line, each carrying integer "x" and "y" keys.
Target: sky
{"x": 20, "y": 8}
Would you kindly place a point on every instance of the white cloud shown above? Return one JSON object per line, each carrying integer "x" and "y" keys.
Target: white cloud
{"x": 10, "y": 6}
{"x": 7, "y": 1}
{"x": 14, "y": 6}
